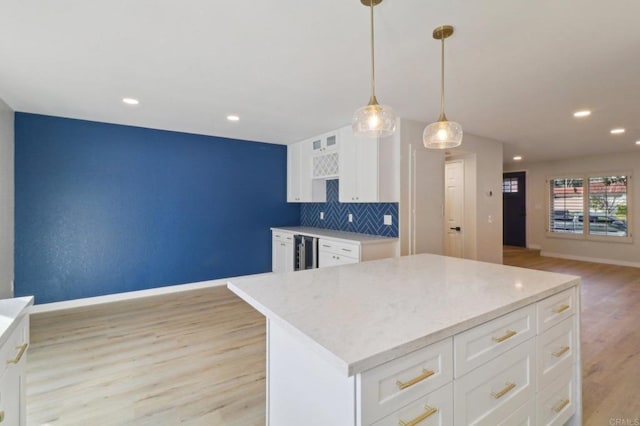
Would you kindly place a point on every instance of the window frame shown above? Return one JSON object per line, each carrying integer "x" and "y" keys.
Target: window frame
{"x": 585, "y": 235}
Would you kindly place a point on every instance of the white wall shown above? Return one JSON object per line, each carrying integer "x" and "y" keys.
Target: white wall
{"x": 483, "y": 212}
{"x": 6, "y": 200}
{"x": 421, "y": 192}
{"x": 607, "y": 252}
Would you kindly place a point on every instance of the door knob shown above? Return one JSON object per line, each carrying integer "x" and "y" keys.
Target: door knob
{"x": 457, "y": 228}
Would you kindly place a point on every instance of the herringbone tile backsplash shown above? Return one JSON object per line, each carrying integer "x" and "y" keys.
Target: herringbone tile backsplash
{"x": 367, "y": 217}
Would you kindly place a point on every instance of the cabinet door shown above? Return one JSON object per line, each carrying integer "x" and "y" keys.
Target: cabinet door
{"x": 367, "y": 170}
{"x": 10, "y": 393}
{"x": 325, "y": 259}
{"x": 293, "y": 173}
{"x": 287, "y": 253}
{"x": 348, "y": 166}
{"x": 304, "y": 171}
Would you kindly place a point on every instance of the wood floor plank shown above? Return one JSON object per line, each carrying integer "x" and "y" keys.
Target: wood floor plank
{"x": 198, "y": 357}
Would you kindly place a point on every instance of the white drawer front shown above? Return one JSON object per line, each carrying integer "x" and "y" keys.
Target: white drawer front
{"x": 283, "y": 236}
{"x": 14, "y": 349}
{"x": 554, "y": 309}
{"x": 474, "y": 347}
{"x": 555, "y": 404}
{"x": 491, "y": 393}
{"x": 523, "y": 416}
{"x": 390, "y": 386}
{"x": 435, "y": 409}
{"x": 556, "y": 351}
{"x": 340, "y": 248}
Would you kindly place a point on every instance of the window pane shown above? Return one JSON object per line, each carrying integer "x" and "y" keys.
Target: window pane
{"x": 608, "y": 206}
{"x": 566, "y": 206}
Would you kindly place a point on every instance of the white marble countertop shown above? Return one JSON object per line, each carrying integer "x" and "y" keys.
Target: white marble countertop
{"x": 337, "y": 235}
{"x": 361, "y": 315}
{"x": 11, "y": 310}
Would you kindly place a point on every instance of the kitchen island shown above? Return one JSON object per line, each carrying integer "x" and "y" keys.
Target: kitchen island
{"x": 419, "y": 339}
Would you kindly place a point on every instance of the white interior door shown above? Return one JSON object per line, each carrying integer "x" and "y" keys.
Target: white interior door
{"x": 454, "y": 208}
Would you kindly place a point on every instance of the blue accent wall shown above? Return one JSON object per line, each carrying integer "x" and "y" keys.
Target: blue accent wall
{"x": 103, "y": 208}
{"x": 367, "y": 217}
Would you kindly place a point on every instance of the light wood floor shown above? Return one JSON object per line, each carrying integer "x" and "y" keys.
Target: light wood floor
{"x": 198, "y": 357}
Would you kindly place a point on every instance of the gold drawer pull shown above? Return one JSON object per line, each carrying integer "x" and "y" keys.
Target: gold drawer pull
{"x": 425, "y": 374}
{"x": 1, "y": 416}
{"x": 420, "y": 418}
{"x": 21, "y": 350}
{"x": 561, "y": 352}
{"x": 561, "y": 405}
{"x": 561, "y": 309}
{"x": 504, "y": 391}
{"x": 507, "y": 335}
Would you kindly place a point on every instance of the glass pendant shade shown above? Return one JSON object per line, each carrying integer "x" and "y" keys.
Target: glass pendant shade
{"x": 374, "y": 121}
{"x": 442, "y": 135}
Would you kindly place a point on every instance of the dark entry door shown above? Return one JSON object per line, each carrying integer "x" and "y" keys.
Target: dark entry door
{"x": 514, "y": 211}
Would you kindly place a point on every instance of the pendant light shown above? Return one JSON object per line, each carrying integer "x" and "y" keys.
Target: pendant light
{"x": 373, "y": 120}
{"x": 443, "y": 133}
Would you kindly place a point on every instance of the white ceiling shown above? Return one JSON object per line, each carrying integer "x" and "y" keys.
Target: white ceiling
{"x": 516, "y": 70}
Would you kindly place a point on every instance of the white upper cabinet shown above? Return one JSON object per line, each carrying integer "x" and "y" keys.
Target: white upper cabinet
{"x": 325, "y": 143}
{"x": 301, "y": 188}
{"x": 369, "y": 168}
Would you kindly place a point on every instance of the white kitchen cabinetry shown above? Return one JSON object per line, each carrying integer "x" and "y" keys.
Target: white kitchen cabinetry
{"x": 325, "y": 143}
{"x": 301, "y": 188}
{"x": 438, "y": 384}
{"x": 282, "y": 252}
{"x": 334, "y": 253}
{"x": 369, "y": 170}
{"x": 13, "y": 358}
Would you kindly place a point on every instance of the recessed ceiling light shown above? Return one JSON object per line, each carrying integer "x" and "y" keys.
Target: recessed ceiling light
{"x": 582, "y": 113}
{"x": 517, "y": 157}
{"x": 130, "y": 101}
{"x": 617, "y": 131}
{"x": 233, "y": 118}
{"x": 637, "y": 142}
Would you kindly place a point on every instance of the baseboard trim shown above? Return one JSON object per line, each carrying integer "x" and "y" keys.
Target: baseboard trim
{"x": 534, "y": 246}
{"x": 591, "y": 259}
{"x": 130, "y": 295}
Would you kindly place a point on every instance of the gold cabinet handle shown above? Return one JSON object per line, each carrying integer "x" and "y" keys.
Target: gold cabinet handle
{"x": 509, "y": 334}
{"x": 1, "y": 416}
{"x": 561, "y": 309}
{"x": 21, "y": 350}
{"x": 425, "y": 374}
{"x": 420, "y": 418}
{"x": 561, "y": 352}
{"x": 561, "y": 405}
{"x": 504, "y": 391}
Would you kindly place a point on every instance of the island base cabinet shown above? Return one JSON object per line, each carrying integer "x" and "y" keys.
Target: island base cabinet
{"x": 302, "y": 387}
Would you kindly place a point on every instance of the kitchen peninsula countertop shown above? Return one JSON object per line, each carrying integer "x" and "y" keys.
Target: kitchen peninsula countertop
{"x": 361, "y": 315}
{"x": 11, "y": 310}
{"x": 333, "y": 234}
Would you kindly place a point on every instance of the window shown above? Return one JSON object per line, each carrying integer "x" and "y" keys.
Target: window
{"x": 604, "y": 198}
{"x": 510, "y": 184}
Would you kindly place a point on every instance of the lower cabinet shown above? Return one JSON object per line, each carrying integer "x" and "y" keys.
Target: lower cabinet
{"x": 12, "y": 376}
{"x": 531, "y": 377}
{"x": 334, "y": 253}
{"x": 282, "y": 252}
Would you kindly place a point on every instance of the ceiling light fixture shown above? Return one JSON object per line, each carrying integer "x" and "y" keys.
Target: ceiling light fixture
{"x": 233, "y": 118}
{"x": 637, "y": 142}
{"x": 130, "y": 101}
{"x": 581, "y": 114}
{"x": 617, "y": 131}
{"x": 373, "y": 120}
{"x": 517, "y": 158}
{"x": 443, "y": 133}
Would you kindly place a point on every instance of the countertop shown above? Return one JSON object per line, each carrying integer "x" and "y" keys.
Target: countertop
{"x": 338, "y": 235}
{"x": 11, "y": 310}
{"x": 361, "y": 315}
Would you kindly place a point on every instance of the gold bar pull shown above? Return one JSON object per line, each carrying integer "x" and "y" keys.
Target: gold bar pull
{"x": 21, "y": 350}
{"x": 420, "y": 418}
{"x": 1, "y": 416}
{"x": 561, "y": 405}
{"x": 561, "y": 352}
{"x": 425, "y": 374}
{"x": 504, "y": 391}
{"x": 507, "y": 335}
{"x": 561, "y": 309}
